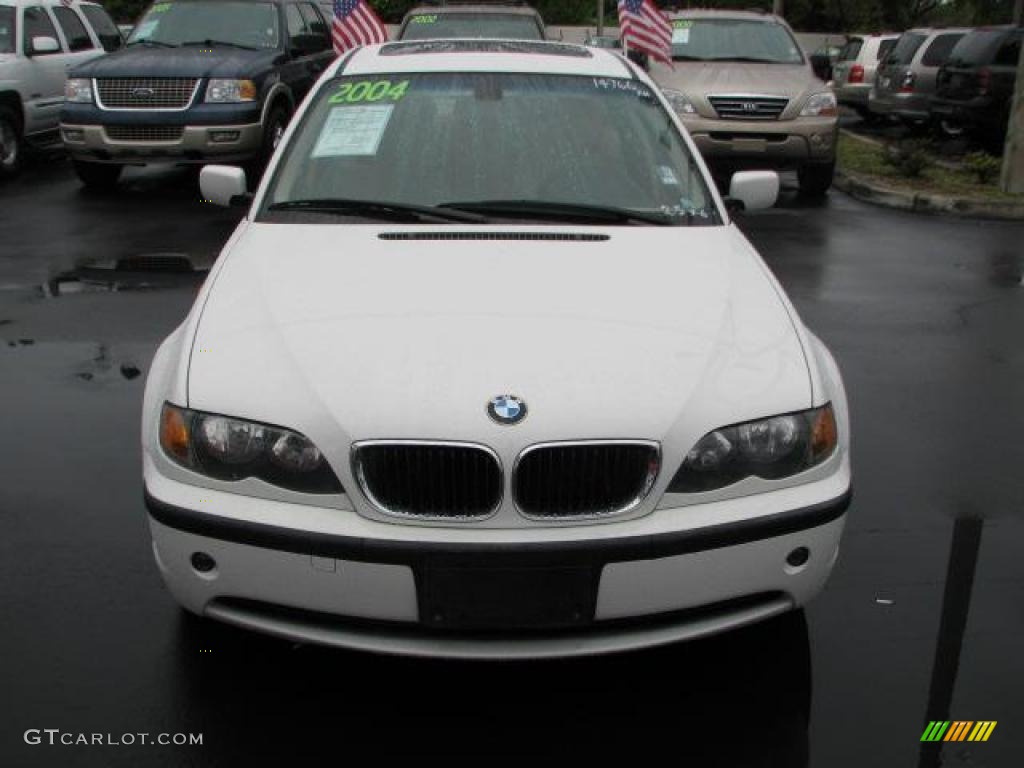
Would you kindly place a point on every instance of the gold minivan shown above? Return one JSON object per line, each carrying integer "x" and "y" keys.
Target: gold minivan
{"x": 747, "y": 94}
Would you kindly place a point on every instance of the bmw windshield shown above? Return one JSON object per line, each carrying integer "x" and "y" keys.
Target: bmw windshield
{"x": 724, "y": 39}
{"x": 484, "y": 146}
{"x": 232, "y": 22}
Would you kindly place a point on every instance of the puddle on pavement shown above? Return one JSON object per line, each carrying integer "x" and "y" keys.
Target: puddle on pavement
{"x": 142, "y": 272}
{"x": 103, "y": 363}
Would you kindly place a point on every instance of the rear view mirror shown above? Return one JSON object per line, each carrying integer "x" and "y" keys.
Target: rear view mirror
{"x": 223, "y": 184}
{"x": 44, "y": 44}
{"x": 756, "y": 190}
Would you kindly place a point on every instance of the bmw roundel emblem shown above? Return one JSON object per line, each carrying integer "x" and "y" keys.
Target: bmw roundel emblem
{"x": 506, "y": 409}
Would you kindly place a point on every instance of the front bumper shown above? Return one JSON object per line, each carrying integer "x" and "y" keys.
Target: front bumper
{"x": 778, "y": 144}
{"x": 196, "y": 144}
{"x": 383, "y": 594}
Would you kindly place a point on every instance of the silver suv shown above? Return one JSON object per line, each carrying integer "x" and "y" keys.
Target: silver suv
{"x": 906, "y": 80}
{"x": 749, "y": 97}
{"x": 854, "y": 73}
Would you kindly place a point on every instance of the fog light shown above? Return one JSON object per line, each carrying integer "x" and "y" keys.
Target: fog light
{"x": 202, "y": 562}
{"x": 798, "y": 557}
{"x": 224, "y": 137}
{"x": 74, "y": 134}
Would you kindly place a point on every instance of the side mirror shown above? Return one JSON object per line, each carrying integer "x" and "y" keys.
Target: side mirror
{"x": 756, "y": 190}
{"x": 44, "y": 44}
{"x": 307, "y": 45}
{"x": 223, "y": 184}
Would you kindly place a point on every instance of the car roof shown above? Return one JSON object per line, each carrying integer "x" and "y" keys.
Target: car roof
{"x": 937, "y": 30}
{"x": 27, "y": 3}
{"x": 873, "y": 35}
{"x": 473, "y": 55}
{"x": 478, "y": 8}
{"x": 724, "y": 13}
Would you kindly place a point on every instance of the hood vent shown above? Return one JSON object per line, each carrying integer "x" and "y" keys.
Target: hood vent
{"x": 573, "y": 237}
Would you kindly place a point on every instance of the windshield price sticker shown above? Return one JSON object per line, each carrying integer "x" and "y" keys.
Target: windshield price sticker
{"x": 425, "y": 19}
{"x": 353, "y": 131}
{"x": 682, "y": 24}
{"x": 160, "y": 8}
{"x": 369, "y": 90}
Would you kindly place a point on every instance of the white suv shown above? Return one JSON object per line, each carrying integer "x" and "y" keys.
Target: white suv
{"x": 40, "y": 40}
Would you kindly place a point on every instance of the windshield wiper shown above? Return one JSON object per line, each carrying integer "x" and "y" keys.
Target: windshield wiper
{"x": 377, "y": 209}
{"x": 147, "y": 41}
{"x": 684, "y": 57}
{"x": 220, "y": 42}
{"x": 574, "y": 212}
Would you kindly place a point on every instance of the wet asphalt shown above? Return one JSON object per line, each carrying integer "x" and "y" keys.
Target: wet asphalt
{"x": 923, "y": 618}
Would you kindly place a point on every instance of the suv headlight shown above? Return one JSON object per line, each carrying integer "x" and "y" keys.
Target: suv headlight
{"x": 220, "y": 91}
{"x": 233, "y": 449}
{"x": 78, "y": 90}
{"x": 770, "y": 448}
{"x": 680, "y": 101}
{"x": 821, "y": 105}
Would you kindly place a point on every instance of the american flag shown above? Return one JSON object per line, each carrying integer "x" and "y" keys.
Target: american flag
{"x": 355, "y": 23}
{"x": 644, "y": 28}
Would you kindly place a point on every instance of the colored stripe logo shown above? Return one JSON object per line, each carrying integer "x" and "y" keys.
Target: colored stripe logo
{"x": 958, "y": 730}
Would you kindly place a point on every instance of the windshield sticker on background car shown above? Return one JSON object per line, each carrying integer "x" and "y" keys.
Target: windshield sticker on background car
{"x": 667, "y": 176}
{"x": 425, "y": 19}
{"x": 369, "y": 90}
{"x": 146, "y": 29}
{"x": 353, "y": 131}
{"x": 681, "y": 31}
{"x": 160, "y": 8}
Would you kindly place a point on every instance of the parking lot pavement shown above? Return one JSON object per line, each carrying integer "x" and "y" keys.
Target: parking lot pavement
{"x": 921, "y": 621}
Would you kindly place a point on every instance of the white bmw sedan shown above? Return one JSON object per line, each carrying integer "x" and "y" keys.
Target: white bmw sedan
{"x": 488, "y": 371}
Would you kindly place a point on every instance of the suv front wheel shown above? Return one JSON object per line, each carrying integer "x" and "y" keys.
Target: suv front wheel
{"x": 11, "y": 143}
{"x": 97, "y": 175}
{"x": 816, "y": 178}
{"x": 273, "y": 130}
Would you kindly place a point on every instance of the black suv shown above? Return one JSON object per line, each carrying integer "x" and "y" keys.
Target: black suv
{"x": 199, "y": 81}
{"x": 974, "y": 89}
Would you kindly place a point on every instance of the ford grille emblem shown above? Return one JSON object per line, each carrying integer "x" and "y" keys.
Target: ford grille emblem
{"x": 506, "y": 409}
{"x": 142, "y": 93}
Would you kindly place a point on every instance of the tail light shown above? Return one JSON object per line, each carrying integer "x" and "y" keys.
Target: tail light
{"x": 907, "y": 84}
{"x": 984, "y": 81}
{"x": 856, "y": 74}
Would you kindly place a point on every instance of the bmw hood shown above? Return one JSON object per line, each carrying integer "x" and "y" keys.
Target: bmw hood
{"x": 367, "y": 332}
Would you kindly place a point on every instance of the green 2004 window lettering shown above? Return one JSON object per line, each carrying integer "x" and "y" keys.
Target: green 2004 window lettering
{"x": 369, "y": 90}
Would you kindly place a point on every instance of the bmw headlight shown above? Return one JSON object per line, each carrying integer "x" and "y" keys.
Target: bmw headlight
{"x": 821, "y": 105}
{"x": 769, "y": 448}
{"x": 78, "y": 90}
{"x": 233, "y": 449}
{"x": 221, "y": 91}
{"x": 680, "y": 102}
